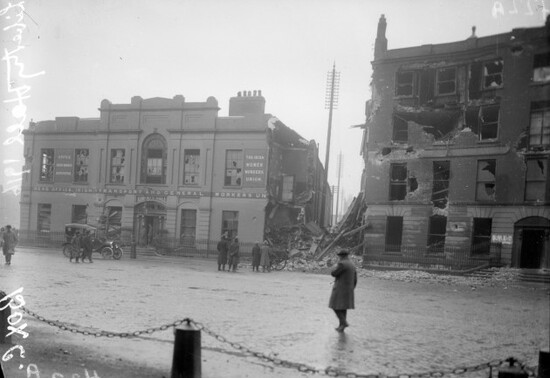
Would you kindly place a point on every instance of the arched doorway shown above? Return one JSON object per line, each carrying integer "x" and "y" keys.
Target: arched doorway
{"x": 149, "y": 221}
{"x": 531, "y": 245}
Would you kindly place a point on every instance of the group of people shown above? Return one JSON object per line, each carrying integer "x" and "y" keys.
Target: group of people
{"x": 8, "y": 241}
{"x": 81, "y": 246}
{"x": 261, "y": 257}
{"x": 228, "y": 253}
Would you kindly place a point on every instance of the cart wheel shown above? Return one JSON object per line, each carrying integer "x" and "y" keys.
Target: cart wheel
{"x": 279, "y": 265}
{"x": 106, "y": 252}
{"x": 67, "y": 251}
{"x": 117, "y": 253}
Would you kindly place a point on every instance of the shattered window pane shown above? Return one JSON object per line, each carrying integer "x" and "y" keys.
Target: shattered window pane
{"x": 440, "y": 189}
{"x": 486, "y": 185}
{"x": 535, "y": 179}
{"x": 541, "y": 68}
{"x": 398, "y": 181}
{"x": 394, "y": 234}
{"x": 481, "y": 238}
{"x": 446, "y": 81}
{"x": 404, "y": 86}
{"x": 400, "y": 129}
{"x": 492, "y": 73}
{"x": 489, "y": 122}
{"x": 539, "y": 129}
{"x": 436, "y": 234}
{"x": 191, "y": 167}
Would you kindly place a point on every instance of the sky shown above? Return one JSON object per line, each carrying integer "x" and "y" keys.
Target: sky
{"x": 73, "y": 54}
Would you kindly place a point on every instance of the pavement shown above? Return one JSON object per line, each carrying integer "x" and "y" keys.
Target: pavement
{"x": 399, "y": 326}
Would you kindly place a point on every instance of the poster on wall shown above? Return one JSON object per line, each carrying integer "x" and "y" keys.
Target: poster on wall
{"x": 63, "y": 171}
{"x": 255, "y": 162}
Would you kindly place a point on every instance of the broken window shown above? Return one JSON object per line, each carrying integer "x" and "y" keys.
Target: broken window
{"x": 539, "y": 130}
{"x": 481, "y": 237}
{"x": 492, "y": 74}
{"x": 427, "y": 85}
{"x": 483, "y": 121}
{"x": 474, "y": 85}
{"x": 440, "y": 189}
{"x": 404, "y": 83}
{"x": 398, "y": 181}
{"x": 446, "y": 81}
{"x": 436, "y": 234}
{"x": 536, "y": 179}
{"x": 230, "y": 223}
{"x": 46, "y": 164}
{"x": 394, "y": 234}
{"x": 400, "y": 129}
{"x": 486, "y": 183}
{"x": 541, "y": 67}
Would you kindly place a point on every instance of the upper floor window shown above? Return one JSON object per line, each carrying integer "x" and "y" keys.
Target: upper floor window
{"x": 541, "y": 67}
{"x": 404, "y": 83}
{"x": 486, "y": 180}
{"x": 446, "y": 81}
{"x": 400, "y": 129}
{"x": 154, "y": 161}
{"x": 492, "y": 74}
{"x": 440, "y": 188}
{"x": 117, "y": 165}
{"x": 539, "y": 130}
{"x": 398, "y": 181}
{"x": 233, "y": 168}
{"x": 46, "y": 164}
{"x": 484, "y": 121}
{"x": 191, "y": 167}
{"x": 81, "y": 165}
{"x": 536, "y": 179}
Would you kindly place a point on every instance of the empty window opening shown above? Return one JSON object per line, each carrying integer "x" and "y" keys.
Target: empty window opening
{"x": 79, "y": 214}
{"x": 404, "y": 83}
{"x": 486, "y": 185}
{"x": 398, "y": 181}
{"x": 413, "y": 184}
{"x": 536, "y": 180}
{"x": 539, "y": 129}
{"x": 541, "y": 67}
{"x": 436, "y": 234}
{"x": 400, "y": 129}
{"x": 446, "y": 81}
{"x": 481, "y": 237}
{"x": 492, "y": 74}
{"x": 188, "y": 227}
{"x": 483, "y": 121}
{"x": 394, "y": 234}
{"x": 440, "y": 189}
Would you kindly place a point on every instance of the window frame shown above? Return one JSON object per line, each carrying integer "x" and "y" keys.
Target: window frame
{"x": 47, "y": 169}
{"x": 230, "y": 223}
{"x": 78, "y": 177}
{"x": 542, "y": 108}
{"x": 396, "y": 183}
{"x": 484, "y": 125}
{"x": 541, "y": 63}
{"x": 186, "y": 238}
{"x": 187, "y": 167}
{"x": 439, "y": 82}
{"x": 159, "y": 145}
{"x": 41, "y": 210}
{"x": 533, "y": 181}
{"x": 400, "y": 128}
{"x": 399, "y": 86}
{"x": 485, "y": 181}
{"x": 486, "y": 75}
{"x": 232, "y": 164}
{"x": 74, "y": 214}
{"x": 391, "y": 223}
{"x": 440, "y": 181}
{"x": 485, "y": 249}
{"x": 120, "y": 166}
{"x": 434, "y": 239}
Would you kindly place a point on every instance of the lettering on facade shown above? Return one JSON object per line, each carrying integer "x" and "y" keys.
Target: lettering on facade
{"x": 254, "y": 168}
{"x": 502, "y": 238}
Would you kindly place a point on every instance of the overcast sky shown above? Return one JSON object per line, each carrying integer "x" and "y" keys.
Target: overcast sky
{"x": 90, "y": 50}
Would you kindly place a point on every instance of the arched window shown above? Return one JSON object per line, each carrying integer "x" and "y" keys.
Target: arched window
{"x": 153, "y": 161}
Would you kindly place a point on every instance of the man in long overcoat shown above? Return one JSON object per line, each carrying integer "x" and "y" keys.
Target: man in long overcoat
{"x": 342, "y": 297}
{"x": 234, "y": 254}
{"x": 9, "y": 242}
{"x": 222, "y": 252}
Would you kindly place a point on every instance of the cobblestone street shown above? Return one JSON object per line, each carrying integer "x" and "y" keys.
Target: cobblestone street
{"x": 397, "y": 327}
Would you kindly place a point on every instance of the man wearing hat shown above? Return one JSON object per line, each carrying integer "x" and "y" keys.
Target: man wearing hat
{"x": 342, "y": 296}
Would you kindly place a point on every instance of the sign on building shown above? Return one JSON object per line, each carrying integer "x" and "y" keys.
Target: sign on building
{"x": 63, "y": 161}
{"x": 255, "y": 167}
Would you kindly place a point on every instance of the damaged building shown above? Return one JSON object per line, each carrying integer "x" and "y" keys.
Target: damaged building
{"x": 171, "y": 170}
{"x": 456, "y": 148}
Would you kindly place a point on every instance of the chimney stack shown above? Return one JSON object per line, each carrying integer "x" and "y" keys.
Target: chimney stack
{"x": 381, "y": 43}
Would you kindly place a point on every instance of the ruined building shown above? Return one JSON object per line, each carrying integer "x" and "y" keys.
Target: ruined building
{"x": 456, "y": 148}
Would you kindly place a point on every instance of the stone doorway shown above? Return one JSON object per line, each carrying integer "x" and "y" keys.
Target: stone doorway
{"x": 531, "y": 243}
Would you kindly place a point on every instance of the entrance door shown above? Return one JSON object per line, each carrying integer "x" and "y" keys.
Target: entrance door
{"x": 532, "y": 245}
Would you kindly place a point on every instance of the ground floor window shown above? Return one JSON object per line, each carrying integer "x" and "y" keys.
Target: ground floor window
{"x": 436, "y": 234}
{"x": 230, "y": 223}
{"x": 188, "y": 227}
{"x": 79, "y": 214}
{"x": 394, "y": 234}
{"x": 44, "y": 217}
{"x": 481, "y": 236}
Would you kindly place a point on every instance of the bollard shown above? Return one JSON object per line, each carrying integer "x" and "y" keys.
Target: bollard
{"x": 4, "y": 315}
{"x": 512, "y": 371}
{"x": 187, "y": 352}
{"x": 544, "y": 364}
{"x": 133, "y": 250}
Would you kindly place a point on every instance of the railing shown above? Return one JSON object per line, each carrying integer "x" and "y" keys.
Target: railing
{"x": 436, "y": 258}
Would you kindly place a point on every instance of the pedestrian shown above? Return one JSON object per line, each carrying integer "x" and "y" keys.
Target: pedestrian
{"x": 75, "y": 247}
{"x": 8, "y": 246}
{"x": 256, "y": 256}
{"x": 234, "y": 254}
{"x": 342, "y": 296}
{"x": 86, "y": 244}
{"x": 222, "y": 252}
{"x": 265, "y": 259}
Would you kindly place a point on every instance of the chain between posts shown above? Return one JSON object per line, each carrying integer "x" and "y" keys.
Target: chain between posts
{"x": 304, "y": 368}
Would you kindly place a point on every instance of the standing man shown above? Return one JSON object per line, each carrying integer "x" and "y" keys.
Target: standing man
{"x": 222, "y": 252}
{"x": 342, "y": 296}
{"x": 10, "y": 240}
{"x": 76, "y": 245}
{"x": 256, "y": 254}
{"x": 265, "y": 259}
{"x": 87, "y": 245}
{"x": 234, "y": 254}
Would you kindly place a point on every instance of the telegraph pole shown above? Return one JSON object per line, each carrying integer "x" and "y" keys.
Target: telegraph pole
{"x": 331, "y": 102}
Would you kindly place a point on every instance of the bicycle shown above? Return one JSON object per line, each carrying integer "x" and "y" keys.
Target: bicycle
{"x": 278, "y": 259}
